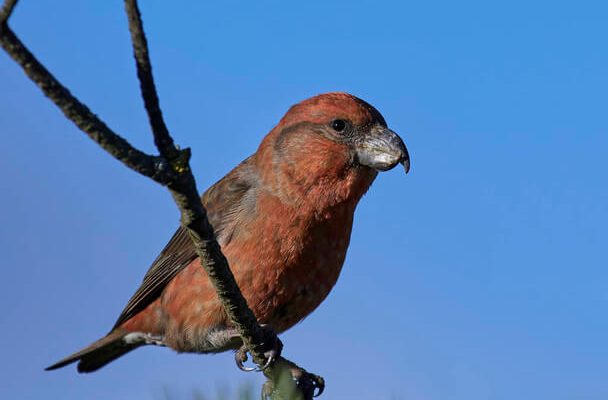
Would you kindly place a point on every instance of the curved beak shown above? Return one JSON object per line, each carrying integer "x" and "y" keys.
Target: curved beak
{"x": 382, "y": 149}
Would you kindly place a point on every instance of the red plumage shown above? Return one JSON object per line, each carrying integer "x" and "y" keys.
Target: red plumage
{"x": 283, "y": 218}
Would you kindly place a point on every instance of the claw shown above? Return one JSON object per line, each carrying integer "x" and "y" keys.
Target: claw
{"x": 240, "y": 357}
{"x": 271, "y": 355}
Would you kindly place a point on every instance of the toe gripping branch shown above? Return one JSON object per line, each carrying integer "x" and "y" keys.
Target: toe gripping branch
{"x": 271, "y": 346}
{"x": 282, "y": 372}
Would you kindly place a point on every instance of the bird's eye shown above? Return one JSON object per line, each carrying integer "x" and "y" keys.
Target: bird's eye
{"x": 338, "y": 125}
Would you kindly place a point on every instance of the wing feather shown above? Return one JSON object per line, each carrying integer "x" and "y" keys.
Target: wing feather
{"x": 225, "y": 202}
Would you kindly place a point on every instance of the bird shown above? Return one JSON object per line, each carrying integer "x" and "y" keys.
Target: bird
{"x": 283, "y": 218}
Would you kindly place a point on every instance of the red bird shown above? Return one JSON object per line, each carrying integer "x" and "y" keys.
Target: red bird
{"x": 283, "y": 218}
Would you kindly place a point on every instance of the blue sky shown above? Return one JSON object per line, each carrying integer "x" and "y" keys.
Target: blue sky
{"x": 480, "y": 275}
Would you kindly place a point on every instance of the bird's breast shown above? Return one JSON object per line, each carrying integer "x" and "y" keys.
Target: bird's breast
{"x": 286, "y": 264}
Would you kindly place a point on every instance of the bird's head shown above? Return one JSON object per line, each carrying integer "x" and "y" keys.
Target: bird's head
{"x": 331, "y": 139}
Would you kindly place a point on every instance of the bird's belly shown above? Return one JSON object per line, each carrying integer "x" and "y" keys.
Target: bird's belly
{"x": 282, "y": 279}
{"x": 196, "y": 322}
{"x": 299, "y": 286}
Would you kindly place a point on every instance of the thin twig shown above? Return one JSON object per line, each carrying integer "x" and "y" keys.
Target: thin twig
{"x": 170, "y": 169}
{"x": 185, "y": 194}
{"x": 7, "y": 10}
{"x": 77, "y": 112}
{"x": 162, "y": 138}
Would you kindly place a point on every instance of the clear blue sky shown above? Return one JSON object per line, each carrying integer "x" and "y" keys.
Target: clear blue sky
{"x": 481, "y": 275}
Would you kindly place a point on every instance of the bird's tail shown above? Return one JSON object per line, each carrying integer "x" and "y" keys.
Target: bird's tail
{"x": 99, "y": 353}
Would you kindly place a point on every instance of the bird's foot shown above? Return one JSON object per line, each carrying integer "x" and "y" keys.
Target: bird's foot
{"x": 271, "y": 347}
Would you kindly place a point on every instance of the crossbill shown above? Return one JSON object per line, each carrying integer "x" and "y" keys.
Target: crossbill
{"x": 283, "y": 218}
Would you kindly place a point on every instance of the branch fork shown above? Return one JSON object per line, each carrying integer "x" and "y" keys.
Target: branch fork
{"x": 171, "y": 168}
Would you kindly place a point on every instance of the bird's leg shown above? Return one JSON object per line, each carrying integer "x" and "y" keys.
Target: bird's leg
{"x": 147, "y": 338}
{"x": 272, "y": 347}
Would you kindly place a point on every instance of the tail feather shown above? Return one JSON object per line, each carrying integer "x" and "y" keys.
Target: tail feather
{"x": 99, "y": 353}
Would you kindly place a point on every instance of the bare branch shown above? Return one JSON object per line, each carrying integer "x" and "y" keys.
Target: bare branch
{"x": 150, "y": 166}
{"x": 162, "y": 138}
{"x": 171, "y": 169}
{"x": 185, "y": 194}
{"x": 7, "y": 10}
{"x": 194, "y": 219}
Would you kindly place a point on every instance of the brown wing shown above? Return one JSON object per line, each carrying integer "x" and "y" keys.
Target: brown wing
{"x": 225, "y": 201}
